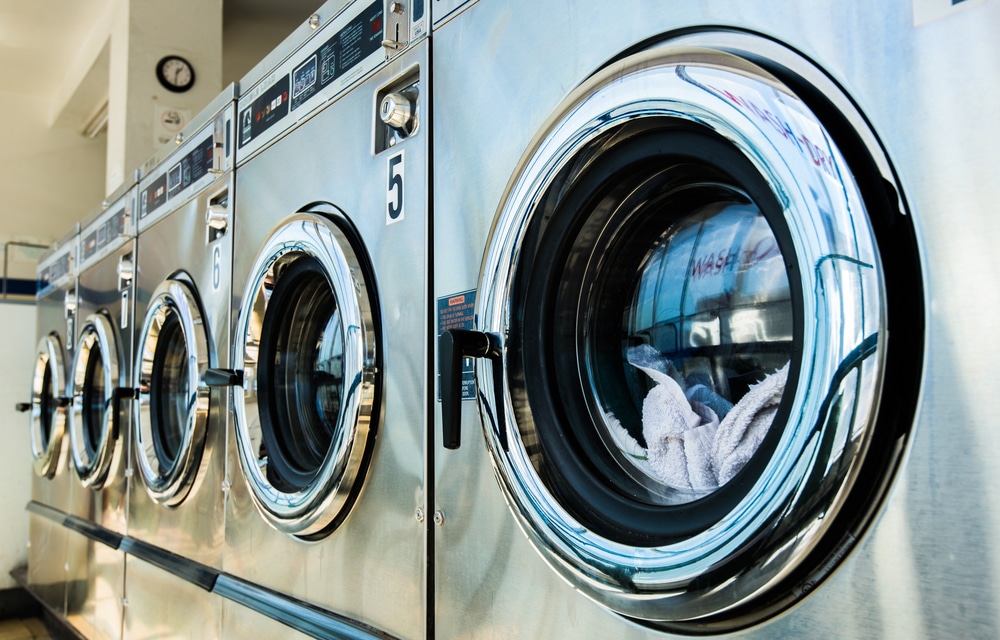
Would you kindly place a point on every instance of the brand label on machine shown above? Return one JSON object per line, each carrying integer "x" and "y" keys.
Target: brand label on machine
{"x": 458, "y": 311}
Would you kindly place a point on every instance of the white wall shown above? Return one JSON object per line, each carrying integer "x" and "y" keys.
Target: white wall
{"x": 49, "y": 177}
{"x": 17, "y": 353}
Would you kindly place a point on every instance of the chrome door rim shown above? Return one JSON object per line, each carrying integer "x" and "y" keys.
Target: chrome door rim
{"x": 92, "y": 469}
{"x": 46, "y": 455}
{"x": 661, "y": 583}
{"x": 321, "y": 505}
{"x": 170, "y": 485}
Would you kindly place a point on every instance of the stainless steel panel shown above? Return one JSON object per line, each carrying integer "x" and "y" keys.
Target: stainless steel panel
{"x": 95, "y": 572}
{"x": 96, "y": 589}
{"x": 98, "y": 292}
{"x": 184, "y": 232}
{"x": 371, "y": 568}
{"x": 161, "y": 605}
{"x": 47, "y": 553}
{"x": 179, "y": 242}
{"x": 446, "y": 9}
{"x": 47, "y": 562}
{"x": 927, "y": 566}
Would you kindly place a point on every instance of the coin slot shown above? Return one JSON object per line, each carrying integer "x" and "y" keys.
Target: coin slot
{"x": 397, "y": 110}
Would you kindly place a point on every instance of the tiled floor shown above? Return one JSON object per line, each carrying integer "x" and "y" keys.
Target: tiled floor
{"x": 27, "y": 629}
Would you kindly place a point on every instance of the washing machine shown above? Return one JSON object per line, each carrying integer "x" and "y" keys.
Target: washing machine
{"x": 326, "y": 463}
{"x": 705, "y": 345}
{"x": 179, "y": 426}
{"x": 97, "y": 424}
{"x": 52, "y": 479}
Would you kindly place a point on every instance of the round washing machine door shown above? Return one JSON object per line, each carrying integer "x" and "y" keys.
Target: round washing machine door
{"x": 172, "y": 415}
{"x": 48, "y": 406}
{"x": 96, "y": 416}
{"x": 687, "y": 286}
{"x": 307, "y": 342}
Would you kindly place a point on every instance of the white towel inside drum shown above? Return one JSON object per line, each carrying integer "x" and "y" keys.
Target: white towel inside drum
{"x": 687, "y": 445}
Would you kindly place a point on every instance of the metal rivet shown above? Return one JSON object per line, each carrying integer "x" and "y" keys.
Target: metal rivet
{"x": 439, "y": 518}
{"x": 396, "y": 7}
{"x": 226, "y": 486}
{"x": 180, "y": 138}
{"x": 420, "y": 514}
{"x": 314, "y": 21}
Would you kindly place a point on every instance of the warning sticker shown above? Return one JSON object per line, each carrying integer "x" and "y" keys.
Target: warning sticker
{"x": 458, "y": 311}
{"x": 925, "y": 11}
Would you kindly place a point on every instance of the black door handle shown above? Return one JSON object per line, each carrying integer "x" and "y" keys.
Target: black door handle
{"x": 453, "y": 346}
{"x": 222, "y": 378}
{"x": 118, "y": 395}
{"x": 22, "y": 407}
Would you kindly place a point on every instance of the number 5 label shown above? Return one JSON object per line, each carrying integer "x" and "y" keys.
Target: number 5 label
{"x": 394, "y": 192}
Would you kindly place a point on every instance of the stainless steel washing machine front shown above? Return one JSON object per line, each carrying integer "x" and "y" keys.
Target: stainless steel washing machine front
{"x": 704, "y": 262}
{"x": 330, "y": 312}
{"x": 52, "y": 479}
{"x": 100, "y": 384}
{"x": 100, "y": 373}
{"x": 179, "y": 426}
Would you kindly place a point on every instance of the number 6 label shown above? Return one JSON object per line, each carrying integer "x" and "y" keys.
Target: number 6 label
{"x": 216, "y": 267}
{"x": 394, "y": 192}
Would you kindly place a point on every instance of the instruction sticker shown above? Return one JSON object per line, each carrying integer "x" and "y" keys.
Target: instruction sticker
{"x": 458, "y": 311}
{"x": 337, "y": 57}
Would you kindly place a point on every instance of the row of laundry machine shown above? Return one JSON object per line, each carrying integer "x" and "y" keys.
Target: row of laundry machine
{"x": 482, "y": 319}
{"x": 188, "y": 488}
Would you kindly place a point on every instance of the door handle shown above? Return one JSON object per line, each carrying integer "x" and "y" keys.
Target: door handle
{"x": 222, "y": 378}
{"x": 118, "y": 395}
{"x": 22, "y": 407}
{"x": 453, "y": 346}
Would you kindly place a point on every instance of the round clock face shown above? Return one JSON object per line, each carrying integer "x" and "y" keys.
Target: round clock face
{"x": 175, "y": 73}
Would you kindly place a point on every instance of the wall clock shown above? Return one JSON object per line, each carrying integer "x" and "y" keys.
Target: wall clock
{"x": 175, "y": 73}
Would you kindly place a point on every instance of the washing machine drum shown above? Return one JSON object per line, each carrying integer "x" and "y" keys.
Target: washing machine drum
{"x": 48, "y": 406}
{"x": 307, "y": 343}
{"x": 694, "y": 315}
{"x": 98, "y": 412}
{"x": 173, "y": 401}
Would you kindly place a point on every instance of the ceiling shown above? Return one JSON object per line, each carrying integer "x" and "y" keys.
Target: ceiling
{"x": 38, "y": 37}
